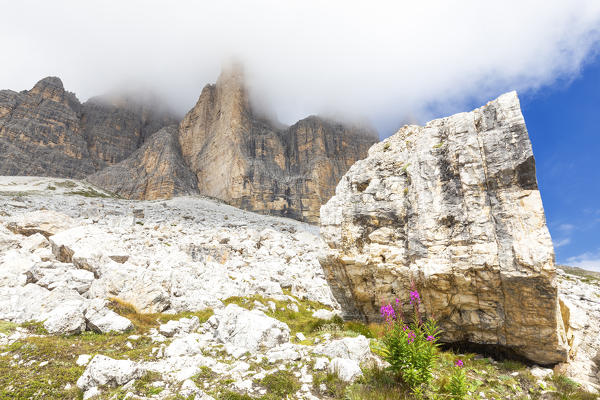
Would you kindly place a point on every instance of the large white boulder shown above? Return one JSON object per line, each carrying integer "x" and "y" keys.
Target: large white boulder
{"x": 105, "y": 371}
{"x": 452, "y": 207}
{"x": 248, "y": 330}
{"x": 65, "y": 319}
{"x": 102, "y": 320}
{"x": 181, "y": 326}
{"x": 52, "y": 275}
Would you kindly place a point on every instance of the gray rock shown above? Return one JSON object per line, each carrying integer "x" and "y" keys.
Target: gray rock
{"x": 154, "y": 171}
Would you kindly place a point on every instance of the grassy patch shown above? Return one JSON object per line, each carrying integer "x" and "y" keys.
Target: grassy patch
{"x": 567, "y": 389}
{"x": 7, "y": 327}
{"x": 23, "y": 377}
{"x": 66, "y": 184}
{"x": 144, "y": 321}
{"x": 35, "y": 327}
{"x": 89, "y": 193}
{"x": 281, "y": 384}
{"x": 302, "y": 320}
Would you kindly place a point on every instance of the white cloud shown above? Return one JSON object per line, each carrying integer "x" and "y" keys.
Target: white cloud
{"x": 562, "y": 242}
{"x": 588, "y": 260}
{"x": 566, "y": 228}
{"x": 390, "y": 61}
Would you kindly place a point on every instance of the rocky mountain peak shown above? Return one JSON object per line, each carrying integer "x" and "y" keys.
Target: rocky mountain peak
{"x": 50, "y": 88}
{"x": 250, "y": 162}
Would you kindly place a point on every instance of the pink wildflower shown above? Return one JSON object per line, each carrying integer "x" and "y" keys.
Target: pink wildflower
{"x": 415, "y": 298}
{"x": 430, "y": 338}
{"x": 459, "y": 363}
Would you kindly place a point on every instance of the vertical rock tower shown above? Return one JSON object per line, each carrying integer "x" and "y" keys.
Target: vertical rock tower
{"x": 454, "y": 207}
{"x": 252, "y": 163}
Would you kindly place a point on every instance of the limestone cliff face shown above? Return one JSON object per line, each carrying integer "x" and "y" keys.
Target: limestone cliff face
{"x": 453, "y": 206}
{"x": 114, "y": 126}
{"x": 47, "y": 132}
{"x": 154, "y": 171}
{"x": 253, "y": 164}
{"x": 40, "y": 133}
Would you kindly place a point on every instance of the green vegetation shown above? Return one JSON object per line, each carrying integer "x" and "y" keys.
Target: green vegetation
{"x": 89, "y": 193}
{"x": 590, "y": 277}
{"x": 7, "y": 327}
{"x": 22, "y": 376}
{"x": 144, "y": 321}
{"x": 303, "y": 321}
{"x": 66, "y": 184}
{"x": 35, "y": 327}
{"x": 280, "y": 384}
{"x": 437, "y": 146}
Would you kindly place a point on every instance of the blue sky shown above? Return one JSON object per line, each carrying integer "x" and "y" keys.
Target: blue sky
{"x": 564, "y": 126}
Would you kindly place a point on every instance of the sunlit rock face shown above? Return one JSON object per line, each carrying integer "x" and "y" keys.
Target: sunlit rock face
{"x": 255, "y": 164}
{"x": 154, "y": 171}
{"x": 453, "y": 207}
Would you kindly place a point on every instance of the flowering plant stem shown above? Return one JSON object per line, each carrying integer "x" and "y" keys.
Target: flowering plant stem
{"x": 409, "y": 348}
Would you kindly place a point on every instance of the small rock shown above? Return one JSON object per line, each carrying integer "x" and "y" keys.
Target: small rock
{"x": 323, "y": 314}
{"x": 300, "y": 336}
{"x": 321, "y": 363}
{"x": 346, "y": 369}
{"x": 83, "y": 359}
{"x": 92, "y": 392}
{"x": 541, "y": 373}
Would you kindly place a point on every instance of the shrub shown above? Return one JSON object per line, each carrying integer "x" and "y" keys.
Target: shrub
{"x": 409, "y": 348}
{"x": 281, "y": 383}
{"x": 458, "y": 386}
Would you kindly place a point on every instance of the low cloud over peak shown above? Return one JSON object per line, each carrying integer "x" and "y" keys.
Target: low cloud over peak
{"x": 384, "y": 61}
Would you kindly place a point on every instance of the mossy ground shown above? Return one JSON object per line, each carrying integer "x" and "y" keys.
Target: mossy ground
{"x": 22, "y": 376}
{"x": 303, "y": 322}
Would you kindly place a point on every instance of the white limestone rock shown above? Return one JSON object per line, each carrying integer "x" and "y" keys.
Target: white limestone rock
{"x": 323, "y": 314}
{"x": 182, "y": 326}
{"x": 454, "y": 207}
{"x": 105, "y": 371}
{"x": 346, "y": 369}
{"x": 249, "y": 330}
{"x": 44, "y": 222}
{"x": 353, "y": 348}
{"x": 66, "y": 319}
{"x": 102, "y": 320}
